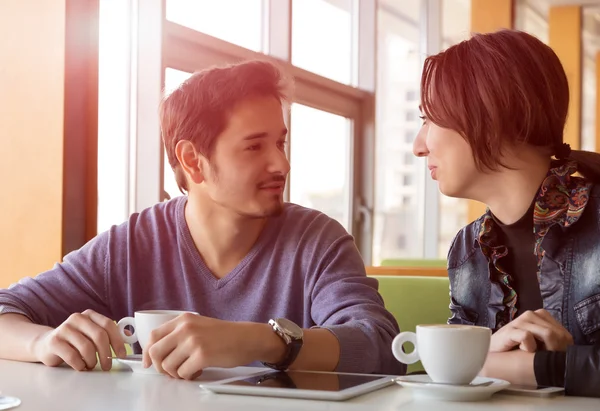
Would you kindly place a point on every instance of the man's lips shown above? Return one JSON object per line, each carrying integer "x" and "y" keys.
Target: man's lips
{"x": 272, "y": 186}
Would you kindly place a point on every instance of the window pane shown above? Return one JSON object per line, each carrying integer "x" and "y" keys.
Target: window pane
{"x": 236, "y": 21}
{"x": 113, "y": 113}
{"x": 320, "y": 159}
{"x": 173, "y": 78}
{"x": 456, "y": 21}
{"x": 397, "y": 233}
{"x": 531, "y": 17}
{"x": 322, "y": 37}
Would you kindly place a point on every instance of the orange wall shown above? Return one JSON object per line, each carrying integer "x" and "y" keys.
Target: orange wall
{"x": 31, "y": 136}
{"x": 565, "y": 39}
{"x": 491, "y": 15}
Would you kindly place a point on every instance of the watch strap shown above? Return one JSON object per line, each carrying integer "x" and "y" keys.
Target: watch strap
{"x": 291, "y": 353}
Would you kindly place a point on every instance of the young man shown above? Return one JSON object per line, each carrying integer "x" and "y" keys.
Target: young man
{"x": 272, "y": 282}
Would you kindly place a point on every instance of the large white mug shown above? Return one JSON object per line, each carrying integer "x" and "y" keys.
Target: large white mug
{"x": 451, "y": 354}
{"x": 144, "y": 322}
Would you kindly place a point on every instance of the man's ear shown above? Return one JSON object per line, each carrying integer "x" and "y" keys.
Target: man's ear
{"x": 190, "y": 160}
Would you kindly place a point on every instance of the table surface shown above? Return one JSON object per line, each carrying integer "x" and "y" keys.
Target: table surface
{"x": 40, "y": 388}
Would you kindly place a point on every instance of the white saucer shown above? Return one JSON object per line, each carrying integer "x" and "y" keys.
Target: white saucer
{"x": 6, "y": 403}
{"x": 134, "y": 362}
{"x": 420, "y": 387}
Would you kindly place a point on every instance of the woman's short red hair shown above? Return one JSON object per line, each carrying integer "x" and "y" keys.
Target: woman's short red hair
{"x": 497, "y": 88}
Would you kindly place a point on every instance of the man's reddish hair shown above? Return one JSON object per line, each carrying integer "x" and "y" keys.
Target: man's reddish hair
{"x": 198, "y": 110}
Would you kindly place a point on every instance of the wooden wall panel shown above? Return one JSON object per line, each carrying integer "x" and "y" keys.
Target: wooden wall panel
{"x": 48, "y": 132}
{"x": 32, "y": 52}
{"x": 564, "y": 24}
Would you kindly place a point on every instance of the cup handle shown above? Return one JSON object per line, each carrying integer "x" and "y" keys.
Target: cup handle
{"x": 400, "y": 355}
{"x": 124, "y": 322}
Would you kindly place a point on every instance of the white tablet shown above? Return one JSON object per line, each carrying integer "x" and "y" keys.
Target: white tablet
{"x": 301, "y": 384}
{"x": 533, "y": 391}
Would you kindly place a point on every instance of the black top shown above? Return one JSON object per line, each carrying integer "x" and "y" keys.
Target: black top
{"x": 521, "y": 261}
{"x": 521, "y": 264}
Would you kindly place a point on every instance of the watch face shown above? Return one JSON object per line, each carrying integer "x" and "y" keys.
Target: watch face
{"x": 290, "y": 328}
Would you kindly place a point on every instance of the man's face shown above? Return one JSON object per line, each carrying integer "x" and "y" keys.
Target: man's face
{"x": 249, "y": 167}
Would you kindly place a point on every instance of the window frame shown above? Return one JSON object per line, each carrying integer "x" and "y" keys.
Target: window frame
{"x": 185, "y": 49}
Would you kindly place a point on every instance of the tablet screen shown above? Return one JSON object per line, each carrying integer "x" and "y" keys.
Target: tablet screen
{"x": 304, "y": 380}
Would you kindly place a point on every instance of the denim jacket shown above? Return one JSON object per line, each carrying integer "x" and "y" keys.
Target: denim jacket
{"x": 569, "y": 277}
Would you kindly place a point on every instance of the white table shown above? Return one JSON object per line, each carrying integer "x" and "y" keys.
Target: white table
{"x": 43, "y": 388}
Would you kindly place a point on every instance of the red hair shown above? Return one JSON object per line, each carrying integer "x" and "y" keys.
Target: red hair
{"x": 498, "y": 88}
{"x": 198, "y": 110}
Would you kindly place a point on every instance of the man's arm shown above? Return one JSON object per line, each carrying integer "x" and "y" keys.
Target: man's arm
{"x": 320, "y": 349}
{"x": 18, "y": 337}
{"x": 346, "y": 302}
{"x": 33, "y": 308}
{"x": 186, "y": 345}
{"x": 76, "y": 284}
{"x": 76, "y": 341}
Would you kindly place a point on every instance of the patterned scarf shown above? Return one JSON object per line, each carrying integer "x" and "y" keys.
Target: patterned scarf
{"x": 561, "y": 200}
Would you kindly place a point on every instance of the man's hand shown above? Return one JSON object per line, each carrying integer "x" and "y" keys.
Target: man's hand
{"x": 186, "y": 345}
{"x": 529, "y": 330}
{"x": 78, "y": 339}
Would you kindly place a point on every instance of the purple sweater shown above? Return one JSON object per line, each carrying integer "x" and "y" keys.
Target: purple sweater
{"x": 304, "y": 267}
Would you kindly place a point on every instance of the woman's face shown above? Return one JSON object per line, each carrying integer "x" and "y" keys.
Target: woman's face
{"x": 449, "y": 159}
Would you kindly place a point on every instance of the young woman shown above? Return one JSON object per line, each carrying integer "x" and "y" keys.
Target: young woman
{"x": 494, "y": 108}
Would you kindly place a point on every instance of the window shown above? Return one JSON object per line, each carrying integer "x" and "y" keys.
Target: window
{"x": 320, "y": 159}
{"x": 173, "y": 79}
{"x": 113, "y": 113}
{"x": 531, "y": 17}
{"x": 456, "y": 23}
{"x": 412, "y": 115}
{"x": 409, "y": 158}
{"x": 322, "y": 38}
{"x": 412, "y": 95}
{"x": 399, "y": 72}
{"x": 235, "y": 21}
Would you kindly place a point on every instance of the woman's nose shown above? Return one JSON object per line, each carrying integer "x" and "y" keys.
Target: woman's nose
{"x": 419, "y": 146}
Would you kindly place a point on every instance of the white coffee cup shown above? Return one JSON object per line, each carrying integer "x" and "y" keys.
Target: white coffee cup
{"x": 451, "y": 354}
{"x": 144, "y": 322}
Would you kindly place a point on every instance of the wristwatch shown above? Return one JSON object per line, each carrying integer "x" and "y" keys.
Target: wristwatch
{"x": 292, "y": 336}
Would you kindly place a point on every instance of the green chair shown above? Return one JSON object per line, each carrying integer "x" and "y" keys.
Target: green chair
{"x": 416, "y": 262}
{"x": 416, "y": 300}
